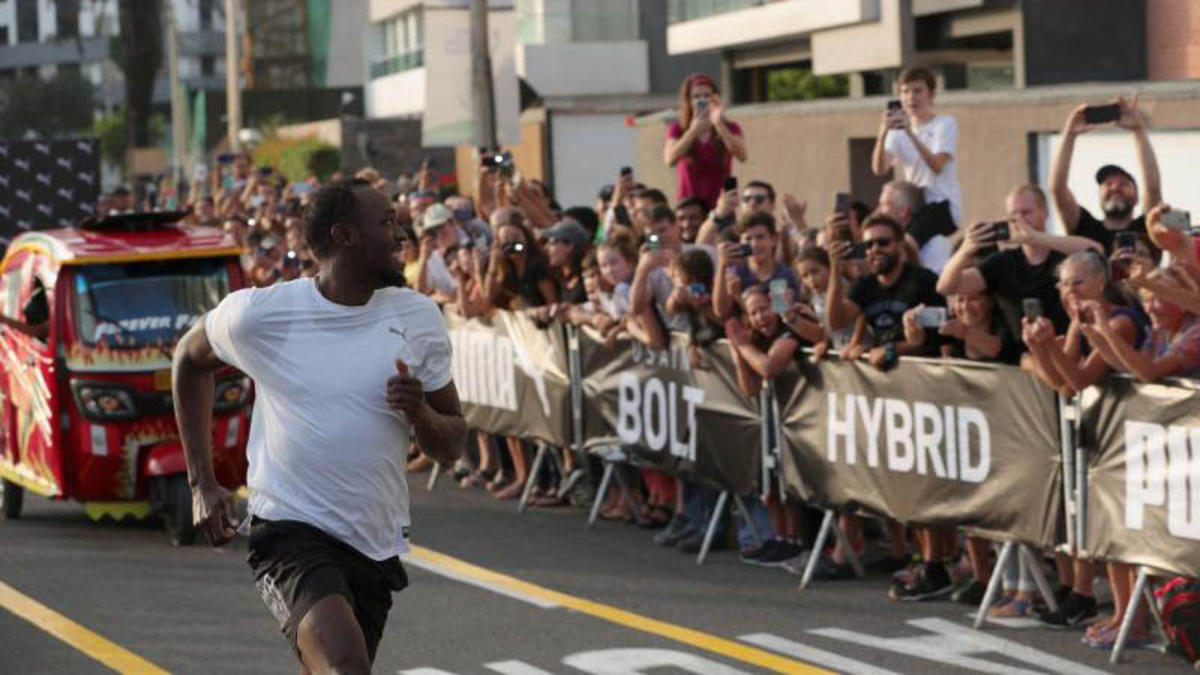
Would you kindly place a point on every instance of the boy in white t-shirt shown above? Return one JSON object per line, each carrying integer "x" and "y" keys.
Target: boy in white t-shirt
{"x": 920, "y": 144}
{"x": 346, "y": 367}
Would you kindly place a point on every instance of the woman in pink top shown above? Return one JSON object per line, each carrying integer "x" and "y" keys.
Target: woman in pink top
{"x": 701, "y": 145}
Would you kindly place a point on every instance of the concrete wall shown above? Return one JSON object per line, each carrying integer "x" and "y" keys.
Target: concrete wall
{"x": 666, "y": 71}
{"x": 400, "y": 94}
{"x": 804, "y": 148}
{"x": 1173, "y": 38}
{"x": 346, "y": 39}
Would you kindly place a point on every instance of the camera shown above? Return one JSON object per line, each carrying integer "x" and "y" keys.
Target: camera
{"x": 1100, "y": 114}
{"x": 931, "y": 317}
{"x": 1032, "y": 308}
{"x": 513, "y": 247}
{"x": 1125, "y": 240}
{"x": 1176, "y": 219}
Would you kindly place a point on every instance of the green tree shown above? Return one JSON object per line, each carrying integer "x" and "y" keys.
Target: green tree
{"x": 799, "y": 84}
{"x": 111, "y": 131}
{"x": 59, "y": 106}
{"x": 139, "y": 57}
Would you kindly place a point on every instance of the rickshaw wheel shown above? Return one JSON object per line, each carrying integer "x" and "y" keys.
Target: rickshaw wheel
{"x": 177, "y": 514}
{"x": 12, "y": 497}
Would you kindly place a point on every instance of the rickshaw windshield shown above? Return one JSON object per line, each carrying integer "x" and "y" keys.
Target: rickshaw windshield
{"x": 133, "y": 305}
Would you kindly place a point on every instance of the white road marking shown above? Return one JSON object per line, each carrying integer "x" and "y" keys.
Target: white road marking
{"x": 515, "y": 668}
{"x": 954, "y": 645}
{"x": 642, "y": 661}
{"x": 820, "y": 657}
{"x": 495, "y": 588}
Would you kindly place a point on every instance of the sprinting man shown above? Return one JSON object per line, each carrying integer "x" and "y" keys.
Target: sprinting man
{"x": 347, "y": 365}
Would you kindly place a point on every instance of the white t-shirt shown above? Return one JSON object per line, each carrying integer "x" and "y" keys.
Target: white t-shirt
{"x": 936, "y": 253}
{"x": 438, "y": 275}
{"x": 325, "y": 449}
{"x": 939, "y": 134}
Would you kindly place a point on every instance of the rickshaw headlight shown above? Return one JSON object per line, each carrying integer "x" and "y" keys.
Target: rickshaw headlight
{"x": 231, "y": 394}
{"x": 102, "y": 402}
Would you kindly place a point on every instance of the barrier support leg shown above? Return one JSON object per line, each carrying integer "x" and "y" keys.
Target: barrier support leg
{"x": 1152, "y": 603}
{"x": 534, "y": 472}
{"x": 601, "y": 493}
{"x": 745, "y": 514}
{"x": 713, "y": 523}
{"x": 1135, "y": 601}
{"x": 1034, "y": 565}
{"x": 433, "y": 476}
{"x": 851, "y": 554}
{"x": 827, "y": 524}
{"x": 993, "y": 587}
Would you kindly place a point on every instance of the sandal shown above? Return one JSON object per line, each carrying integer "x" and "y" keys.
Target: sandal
{"x": 512, "y": 491}
{"x": 497, "y": 483}
{"x": 1106, "y": 638}
{"x": 1013, "y": 609}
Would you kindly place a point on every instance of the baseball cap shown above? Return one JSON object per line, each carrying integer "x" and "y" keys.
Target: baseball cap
{"x": 569, "y": 231}
{"x": 1110, "y": 169}
{"x": 435, "y": 216}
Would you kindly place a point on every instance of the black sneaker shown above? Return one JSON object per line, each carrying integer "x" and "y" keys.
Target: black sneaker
{"x": 933, "y": 584}
{"x": 677, "y": 529}
{"x": 828, "y": 570}
{"x": 778, "y": 553}
{"x": 971, "y": 594}
{"x": 751, "y": 556}
{"x": 1075, "y": 611}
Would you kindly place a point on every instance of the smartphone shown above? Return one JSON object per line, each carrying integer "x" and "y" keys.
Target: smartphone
{"x": 226, "y": 158}
{"x": 1100, "y": 114}
{"x": 931, "y": 317}
{"x": 894, "y": 105}
{"x": 856, "y": 252}
{"x": 777, "y": 289}
{"x": 1125, "y": 240}
{"x": 513, "y": 247}
{"x": 265, "y": 171}
{"x": 841, "y": 232}
{"x": 730, "y": 183}
{"x": 1000, "y": 231}
{"x": 742, "y": 251}
{"x": 626, "y": 171}
{"x": 698, "y": 289}
{"x": 653, "y": 243}
{"x": 1176, "y": 219}
{"x": 841, "y": 204}
{"x": 301, "y": 188}
{"x": 1032, "y": 308}
{"x": 701, "y": 106}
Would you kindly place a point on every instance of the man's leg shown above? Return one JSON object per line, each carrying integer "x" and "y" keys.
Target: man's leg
{"x": 330, "y": 639}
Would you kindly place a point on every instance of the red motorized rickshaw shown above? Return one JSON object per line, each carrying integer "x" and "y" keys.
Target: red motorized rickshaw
{"x": 86, "y": 409}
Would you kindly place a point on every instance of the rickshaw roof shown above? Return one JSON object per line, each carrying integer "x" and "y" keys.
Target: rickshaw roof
{"x": 127, "y": 240}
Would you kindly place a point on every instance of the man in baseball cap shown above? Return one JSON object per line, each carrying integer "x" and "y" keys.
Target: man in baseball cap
{"x": 436, "y": 231}
{"x": 1118, "y": 189}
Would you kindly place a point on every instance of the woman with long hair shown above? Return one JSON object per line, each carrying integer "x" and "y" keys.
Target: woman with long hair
{"x": 702, "y": 143}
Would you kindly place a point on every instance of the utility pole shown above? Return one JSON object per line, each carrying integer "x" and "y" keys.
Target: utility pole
{"x": 178, "y": 110}
{"x": 481, "y": 77}
{"x": 233, "y": 95}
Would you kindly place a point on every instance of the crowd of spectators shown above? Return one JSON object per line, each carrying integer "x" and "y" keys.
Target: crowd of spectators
{"x": 904, "y": 277}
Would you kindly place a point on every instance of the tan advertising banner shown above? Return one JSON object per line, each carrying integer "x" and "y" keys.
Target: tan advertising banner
{"x": 1143, "y": 481}
{"x": 693, "y": 422}
{"x": 512, "y": 376}
{"x": 932, "y": 442}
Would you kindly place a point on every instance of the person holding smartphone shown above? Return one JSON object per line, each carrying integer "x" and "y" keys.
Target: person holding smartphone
{"x": 702, "y": 143}
{"x": 1026, "y": 270}
{"x": 1118, "y": 190}
{"x": 749, "y": 262}
{"x": 918, "y": 143}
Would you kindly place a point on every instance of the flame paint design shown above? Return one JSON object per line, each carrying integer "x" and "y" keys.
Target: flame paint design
{"x": 102, "y": 357}
{"x": 143, "y": 433}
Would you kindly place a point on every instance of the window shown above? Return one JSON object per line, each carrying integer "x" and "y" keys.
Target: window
{"x": 206, "y": 14}
{"x": 403, "y": 44}
{"x": 208, "y": 66}
{"x": 27, "y": 20}
{"x": 67, "y": 13}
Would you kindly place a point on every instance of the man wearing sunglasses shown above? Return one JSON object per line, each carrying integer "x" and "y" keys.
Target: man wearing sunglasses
{"x": 876, "y": 303}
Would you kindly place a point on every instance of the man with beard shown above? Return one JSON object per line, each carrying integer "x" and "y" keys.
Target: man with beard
{"x": 1118, "y": 190}
{"x": 346, "y": 366}
{"x": 876, "y": 304}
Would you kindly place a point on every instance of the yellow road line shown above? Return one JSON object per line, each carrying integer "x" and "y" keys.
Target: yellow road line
{"x": 103, "y": 650}
{"x": 688, "y": 636}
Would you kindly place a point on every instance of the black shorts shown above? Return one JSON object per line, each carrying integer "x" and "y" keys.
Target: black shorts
{"x": 296, "y": 564}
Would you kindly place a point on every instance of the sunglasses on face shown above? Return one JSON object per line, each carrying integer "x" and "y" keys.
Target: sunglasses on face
{"x": 754, "y": 199}
{"x": 880, "y": 242}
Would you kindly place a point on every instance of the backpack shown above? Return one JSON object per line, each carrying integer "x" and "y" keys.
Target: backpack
{"x": 1179, "y": 603}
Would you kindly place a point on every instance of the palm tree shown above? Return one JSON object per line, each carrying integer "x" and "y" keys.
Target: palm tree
{"x": 141, "y": 57}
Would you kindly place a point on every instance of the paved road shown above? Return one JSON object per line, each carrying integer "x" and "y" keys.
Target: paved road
{"x": 492, "y": 592}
